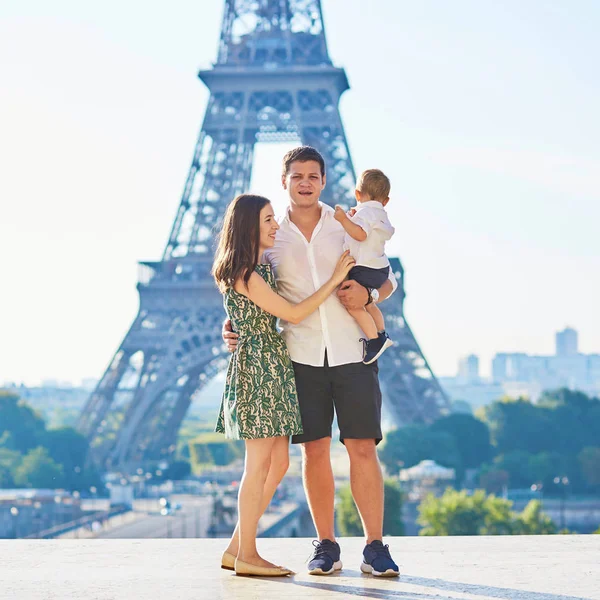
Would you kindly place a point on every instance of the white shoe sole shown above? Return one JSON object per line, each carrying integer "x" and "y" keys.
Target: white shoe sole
{"x": 337, "y": 566}
{"x": 385, "y": 346}
{"x": 365, "y": 568}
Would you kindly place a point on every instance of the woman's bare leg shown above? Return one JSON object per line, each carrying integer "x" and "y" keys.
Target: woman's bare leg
{"x": 277, "y": 469}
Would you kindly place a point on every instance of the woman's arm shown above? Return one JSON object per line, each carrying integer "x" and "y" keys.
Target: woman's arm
{"x": 261, "y": 293}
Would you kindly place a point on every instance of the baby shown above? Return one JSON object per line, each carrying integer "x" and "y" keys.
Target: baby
{"x": 367, "y": 231}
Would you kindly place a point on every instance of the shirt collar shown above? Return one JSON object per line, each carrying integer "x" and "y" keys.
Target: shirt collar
{"x": 326, "y": 210}
{"x": 370, "y": 204}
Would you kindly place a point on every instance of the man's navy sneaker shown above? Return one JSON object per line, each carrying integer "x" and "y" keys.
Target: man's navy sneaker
{"x": 377, "y": 560}
{"x": 325, "y": 559}
{"x": 373, "y": 349}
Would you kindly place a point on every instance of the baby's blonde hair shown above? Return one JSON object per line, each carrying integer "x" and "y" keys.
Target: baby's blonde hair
{"x": 374, "y": 184}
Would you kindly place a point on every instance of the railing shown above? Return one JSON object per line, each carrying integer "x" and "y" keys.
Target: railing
{"x": 86, "y": 521}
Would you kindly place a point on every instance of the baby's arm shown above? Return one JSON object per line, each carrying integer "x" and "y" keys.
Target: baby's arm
{"x": 355, "y": 231}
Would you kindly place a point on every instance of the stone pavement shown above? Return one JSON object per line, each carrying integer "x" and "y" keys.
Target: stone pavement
{"x": 561, "y": 567}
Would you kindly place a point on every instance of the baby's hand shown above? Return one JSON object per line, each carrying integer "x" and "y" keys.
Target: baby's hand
{"x": 340, "y": 214}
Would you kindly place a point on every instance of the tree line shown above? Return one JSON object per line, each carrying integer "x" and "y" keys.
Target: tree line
{"x": 34, "y": 456}
{"x": 511, "y": 443}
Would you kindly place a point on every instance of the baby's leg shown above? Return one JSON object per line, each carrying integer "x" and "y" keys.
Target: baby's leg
{"x": 376, "y": 315}
{"x": 365, "y": 321}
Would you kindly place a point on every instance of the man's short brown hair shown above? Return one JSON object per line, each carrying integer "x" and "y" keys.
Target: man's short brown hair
{"x": 374, "y": 184}
{"x": 303, "y": 154}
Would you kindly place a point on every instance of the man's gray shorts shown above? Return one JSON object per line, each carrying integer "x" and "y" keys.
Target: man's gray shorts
{"x": 354, "y": 391}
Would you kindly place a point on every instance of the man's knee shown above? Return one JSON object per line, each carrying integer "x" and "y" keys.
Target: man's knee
{"x": 316, "y": 450}
{"x": 361, "y": 449}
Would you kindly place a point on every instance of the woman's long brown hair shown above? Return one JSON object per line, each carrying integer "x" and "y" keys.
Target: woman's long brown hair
{"x": 237, "y": 249}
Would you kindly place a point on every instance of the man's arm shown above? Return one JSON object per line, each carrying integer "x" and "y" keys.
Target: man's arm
{"x": 229, "y": 337}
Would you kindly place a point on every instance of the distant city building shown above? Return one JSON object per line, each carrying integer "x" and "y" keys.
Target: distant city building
{"x": 566, "y": 342}
{"x": 56, "y": 384}
{"x": 567, "y": 368}
{"x": 518, "y": 374}
{"x": 468, "y": 368}
{"x": 426, "y": 478}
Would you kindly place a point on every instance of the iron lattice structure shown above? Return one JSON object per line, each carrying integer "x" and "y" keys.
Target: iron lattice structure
{"x": 273, "y": 81}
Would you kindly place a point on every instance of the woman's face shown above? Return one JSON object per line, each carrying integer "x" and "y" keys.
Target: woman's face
{"x": 268, "y": 227}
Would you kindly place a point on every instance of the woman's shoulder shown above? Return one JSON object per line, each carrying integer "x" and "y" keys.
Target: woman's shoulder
{"x": 261, "y": 271}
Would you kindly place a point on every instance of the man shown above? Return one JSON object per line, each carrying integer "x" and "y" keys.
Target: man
{"x": 327, "y": 358}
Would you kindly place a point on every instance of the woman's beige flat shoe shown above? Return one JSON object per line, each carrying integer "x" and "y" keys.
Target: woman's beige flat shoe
{"x": 244, "y": 568}
{"x": 228, "y": 561}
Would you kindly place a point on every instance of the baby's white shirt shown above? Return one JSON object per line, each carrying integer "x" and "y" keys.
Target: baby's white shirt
{"x": 373, "y": 218}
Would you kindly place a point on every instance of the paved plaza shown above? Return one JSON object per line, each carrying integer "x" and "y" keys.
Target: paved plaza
{"x": 560, "y": 567}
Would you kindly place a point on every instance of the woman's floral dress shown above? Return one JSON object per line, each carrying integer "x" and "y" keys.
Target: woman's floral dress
{"x": 260, "y": 398}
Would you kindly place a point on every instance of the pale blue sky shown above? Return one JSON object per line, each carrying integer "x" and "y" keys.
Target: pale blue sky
{"x": 484, "y": 114}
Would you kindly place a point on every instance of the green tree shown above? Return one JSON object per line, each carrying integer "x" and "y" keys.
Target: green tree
{"x": 392, "y": 508}
{"x": 9, "y": 459}
{"x": 519, "y": 425}
{"x": 213, "y": 449}
{"x": 455, "y": 513}
{"x": 178, "y": 469}
{"x": 545, "y": 466}
{"x": 69, "y": 448}
{"x": 589, "y": 461}
{"x": 348, "y": 519}
{"x": 516, "y": 464}
{"x": 405, "y": 447}
{"x": 498, "y": 518}
{"x": 38, "y": 470}
{"x": 493, "y": 479}
{"x": 471, "y": 436}
{"x": 458, "y": 513}
{"x": 21, "y": 428}
{"x": 461, "y": 406}
{"x": 532, "y": 521}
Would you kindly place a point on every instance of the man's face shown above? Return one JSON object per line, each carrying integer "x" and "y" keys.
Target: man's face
{"x": 304, "y": 183}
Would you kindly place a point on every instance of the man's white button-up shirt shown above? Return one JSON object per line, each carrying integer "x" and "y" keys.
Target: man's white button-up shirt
{"x": 301, "y": 267}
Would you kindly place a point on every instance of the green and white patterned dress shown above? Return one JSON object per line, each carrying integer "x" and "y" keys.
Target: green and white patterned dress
{"x": 260, "y": 398}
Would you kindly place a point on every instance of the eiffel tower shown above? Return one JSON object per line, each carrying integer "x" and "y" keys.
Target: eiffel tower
{"x": 273, "y": 81}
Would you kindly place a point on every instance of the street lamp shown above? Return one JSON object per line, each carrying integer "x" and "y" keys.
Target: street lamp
{"x": 93, "y": 491}
{"x": 563, "y": 483}
{"x": 14, "y": 511}
{"x": 37, "y": 518}
{"x": 74, "y": 506}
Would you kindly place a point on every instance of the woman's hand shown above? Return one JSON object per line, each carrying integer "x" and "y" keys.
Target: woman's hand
{"x": 343, "y": 267}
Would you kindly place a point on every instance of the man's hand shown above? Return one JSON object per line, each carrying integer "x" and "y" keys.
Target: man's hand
{"x": 229, "y": 337}
{"x": 353, "y": 295}
{"x": 340, "y": 214}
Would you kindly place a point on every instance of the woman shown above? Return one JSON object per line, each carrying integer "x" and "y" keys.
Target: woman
{"x": 259, "y": 404}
